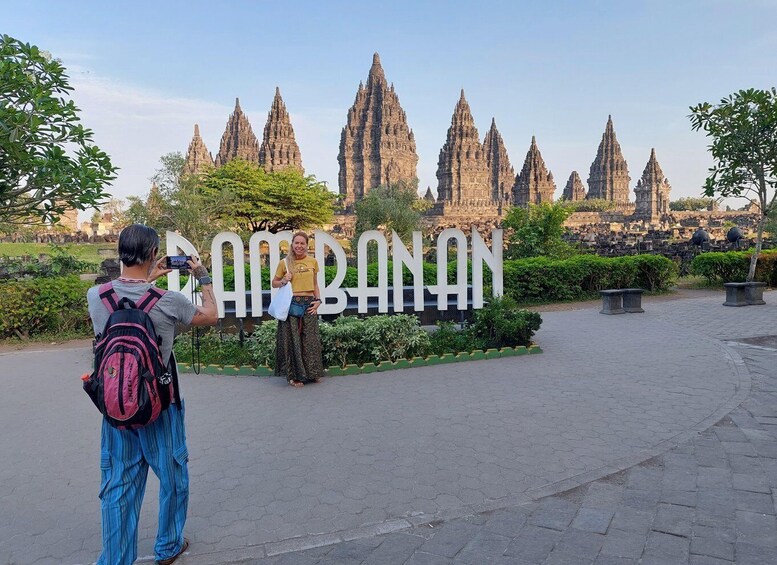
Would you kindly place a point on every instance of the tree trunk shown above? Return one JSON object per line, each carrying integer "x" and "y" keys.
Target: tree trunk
{"x": 761, "y": 221}
{"x": 757, "y": 251}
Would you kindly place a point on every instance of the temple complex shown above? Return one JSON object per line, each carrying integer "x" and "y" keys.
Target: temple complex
{"x": 476, "y": 181}
{"x": 198, "y": 158}
{"x": 238, "y": 140}
{"x": 462, "y": 169}
{"x": 500, "y": 172}
{"x": 609, "y": 175}
{"x": 279, "y": 148}
{"x": 534, "y": 184}
{"x": 376, "y": 145}
{"x": 652, "y": 191}
{"x": 574, "y": 190}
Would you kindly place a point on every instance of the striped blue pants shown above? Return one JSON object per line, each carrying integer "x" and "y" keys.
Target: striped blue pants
{"x": 125, "y": 457}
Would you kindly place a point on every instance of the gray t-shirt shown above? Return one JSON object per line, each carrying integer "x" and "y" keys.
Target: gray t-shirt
{"x": 173, "y": 308}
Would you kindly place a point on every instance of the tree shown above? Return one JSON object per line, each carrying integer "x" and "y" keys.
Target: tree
{"x": 48, "y": 163}
{"x": 743, "y": 129}
{"x": 690, "y": 204}
{"x": 254, "y": 200}
{"x": 395, "y": 207}
{"x": 536, "y": 231}
{"x": 177, "y": 202}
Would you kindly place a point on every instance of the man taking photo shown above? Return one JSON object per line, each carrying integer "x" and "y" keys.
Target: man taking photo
{"x": 126, "y": 454}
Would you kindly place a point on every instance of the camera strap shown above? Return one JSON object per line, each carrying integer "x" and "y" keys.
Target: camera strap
{"x": 195, "y": 333}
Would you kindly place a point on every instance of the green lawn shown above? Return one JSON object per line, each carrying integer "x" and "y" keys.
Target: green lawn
{"x": 82, "y": 251}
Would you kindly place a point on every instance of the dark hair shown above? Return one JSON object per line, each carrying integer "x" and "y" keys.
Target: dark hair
{"x": 136, "y": 244}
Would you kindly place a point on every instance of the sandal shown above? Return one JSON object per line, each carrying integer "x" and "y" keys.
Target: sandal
{"x": 317, "y": 380}
{"x": 296, "y": 384}
{"x": 171, "y": 560}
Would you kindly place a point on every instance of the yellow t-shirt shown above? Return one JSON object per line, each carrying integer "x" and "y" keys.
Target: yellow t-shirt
{"x": 303, "y": 274}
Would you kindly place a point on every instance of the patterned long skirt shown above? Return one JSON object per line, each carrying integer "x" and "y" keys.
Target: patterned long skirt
{"x": 298, "y": 349}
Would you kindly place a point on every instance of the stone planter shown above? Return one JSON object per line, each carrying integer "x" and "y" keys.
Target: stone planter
{"x": 744, "y": 293}
{"x": 754, "y": 293}
{"x": 735, "y": 294}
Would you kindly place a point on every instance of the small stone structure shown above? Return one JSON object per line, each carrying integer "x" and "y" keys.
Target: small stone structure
{"x": 501, "y": 175}
{"x": 279, "y": 147}
{"x": 198, "y": 158}
{"x": 574, "y": 189}
{"x": 534, "y": 184}
{"x": 238, "y": 140}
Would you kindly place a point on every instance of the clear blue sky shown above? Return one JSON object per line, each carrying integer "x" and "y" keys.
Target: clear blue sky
{"x": 145, "y": 72}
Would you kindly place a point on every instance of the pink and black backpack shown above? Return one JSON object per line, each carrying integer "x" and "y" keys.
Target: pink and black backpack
{"x": 131, "y": 383}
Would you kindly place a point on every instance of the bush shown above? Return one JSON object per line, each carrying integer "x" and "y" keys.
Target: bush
{"x": 502, "y": 324}
{"x": 589, "y": 205}
{"x": 394, "y": 337}
{"x": 447, "y": 339}
{"x": 540, "y": 279}
{"x": 733, "y": 266}
{"x": 59, "y": 263}
{"x": 214, "y": 349}
{"x": 353, "y": 340}
{"x": 261, "y": 344}
{"x": 45, "y": 305}
{"x": 342, "y": 341}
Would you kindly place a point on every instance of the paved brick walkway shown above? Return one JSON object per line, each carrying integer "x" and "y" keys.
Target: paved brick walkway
{"x": 709, "y": 501}
{"x": 471, "y": 449}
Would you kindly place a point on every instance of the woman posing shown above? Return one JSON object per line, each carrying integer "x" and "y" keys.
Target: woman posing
{"x": 298, "y": 349}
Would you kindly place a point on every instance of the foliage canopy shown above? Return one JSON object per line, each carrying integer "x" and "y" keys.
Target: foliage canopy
{"x": 48, "y": 162}
{"x": 536, "y": 231}
{"x": 255, "y": 200}
{"x": 394, "y": 207}
{"x": 743, "y": 132}
{"x": 690, "y": 204}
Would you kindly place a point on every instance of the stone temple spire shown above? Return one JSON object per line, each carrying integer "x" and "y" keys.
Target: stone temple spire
{"x": 500, "y": 172}
{"x": 574, "y": 190}
{"x": 238, "y": 140}
{"x": 652, "y": 190}
{"x": 376, "y": 145}
{"x": 609, "y": 175}
{"x": 534, "y": 184}
{"x": 198, "y": 158}
{"x": 462, "y": 169}
{"x": 279, "y": 148}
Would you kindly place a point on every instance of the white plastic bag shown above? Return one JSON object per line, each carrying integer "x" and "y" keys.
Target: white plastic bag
{"x": 280, "y": 303}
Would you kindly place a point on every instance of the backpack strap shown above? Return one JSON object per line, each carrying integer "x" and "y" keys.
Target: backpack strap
{"x": 109, "y": 297}
{"x": 149, "y": 299}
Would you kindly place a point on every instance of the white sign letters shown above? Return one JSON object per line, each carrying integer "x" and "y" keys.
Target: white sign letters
{"x": 333, "y": 296}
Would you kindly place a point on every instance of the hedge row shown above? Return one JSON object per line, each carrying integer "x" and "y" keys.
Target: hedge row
{"x": 350, "y": 340}
{"x": 582, "y": 277}
{"x": 44, "y": 305}
{"x": 59, "y": 303}
{"x": 531, "y": 280}
{"x": 733, "y": 266}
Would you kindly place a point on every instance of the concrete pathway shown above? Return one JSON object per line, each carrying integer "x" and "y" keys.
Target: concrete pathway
{"x": 361, "y": 466}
